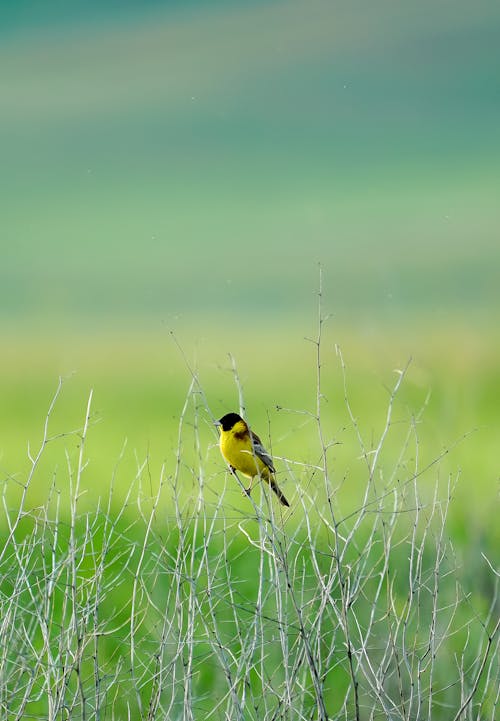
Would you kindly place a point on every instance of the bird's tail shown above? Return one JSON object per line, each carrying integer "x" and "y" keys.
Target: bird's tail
{"x": 278, "y": 492}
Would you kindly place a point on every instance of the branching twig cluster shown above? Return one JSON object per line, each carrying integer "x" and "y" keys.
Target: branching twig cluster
{"x": 180, "y": 606}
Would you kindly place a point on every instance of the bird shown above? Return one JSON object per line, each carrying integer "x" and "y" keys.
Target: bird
{"x": 244, "y": 452}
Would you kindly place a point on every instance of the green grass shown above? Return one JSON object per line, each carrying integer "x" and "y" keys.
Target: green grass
{"x": 167, "y": 592}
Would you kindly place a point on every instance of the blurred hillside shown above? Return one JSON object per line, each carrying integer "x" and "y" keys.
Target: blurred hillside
{"x": 166, "y": 159}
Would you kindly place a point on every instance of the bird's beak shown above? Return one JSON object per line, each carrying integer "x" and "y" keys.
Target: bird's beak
{"x": 217, "y": 423}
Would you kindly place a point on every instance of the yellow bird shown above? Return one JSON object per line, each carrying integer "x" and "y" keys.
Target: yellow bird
{"x": 244, "y": 452}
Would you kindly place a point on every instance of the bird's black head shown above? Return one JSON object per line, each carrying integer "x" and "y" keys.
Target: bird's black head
{"x": 228, "y": 421}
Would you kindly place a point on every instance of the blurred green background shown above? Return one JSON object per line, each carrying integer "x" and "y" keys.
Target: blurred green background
{"x": 186, "y": 166}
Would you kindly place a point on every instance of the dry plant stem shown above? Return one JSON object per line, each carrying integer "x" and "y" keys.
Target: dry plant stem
{"x": 241, "y": 400}
{"x": 479, "y": 673}
{"x": 336, "y": 550}
{"x": 195, "y": 380}
{"x": 184, "y": 643}
{"x": 378, "y": 449}
{"x": 34, "y": 460}
{"x": 75, "y": 492}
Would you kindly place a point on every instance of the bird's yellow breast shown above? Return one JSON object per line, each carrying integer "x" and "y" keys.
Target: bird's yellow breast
{"x": 236, "y": 447}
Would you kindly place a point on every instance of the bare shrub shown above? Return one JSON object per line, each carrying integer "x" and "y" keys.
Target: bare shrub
{"x": 181, "y": 605}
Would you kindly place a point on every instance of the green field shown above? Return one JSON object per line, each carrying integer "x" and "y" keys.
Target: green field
{"x": 139, "y": 384}
{"x": 115, "y": 546}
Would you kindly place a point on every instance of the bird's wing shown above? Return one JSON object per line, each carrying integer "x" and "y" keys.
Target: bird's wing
{"x": 261, "y": 452}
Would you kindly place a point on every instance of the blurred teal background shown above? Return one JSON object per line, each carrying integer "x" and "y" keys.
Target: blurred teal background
{"x": 166, "y": 160}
